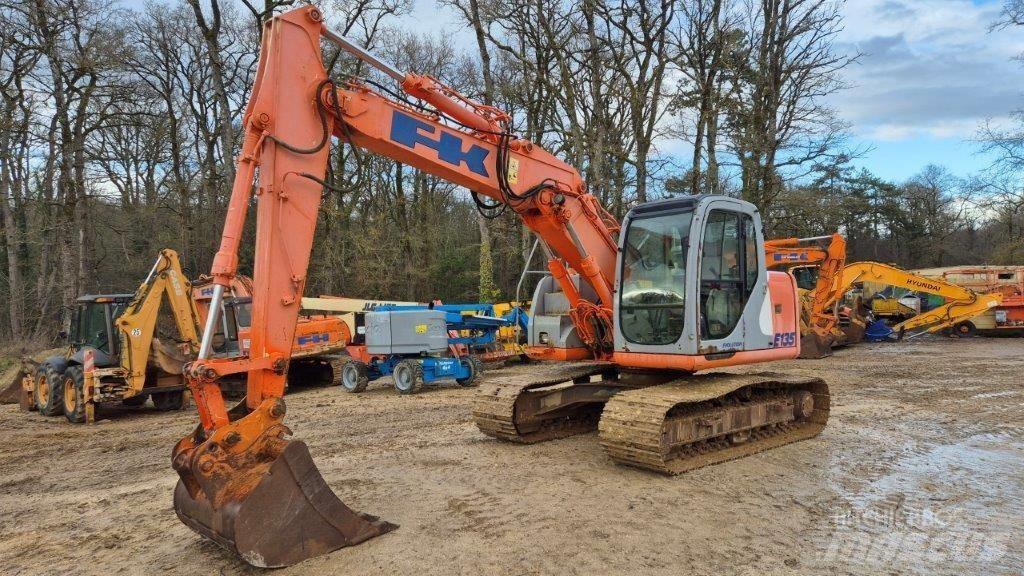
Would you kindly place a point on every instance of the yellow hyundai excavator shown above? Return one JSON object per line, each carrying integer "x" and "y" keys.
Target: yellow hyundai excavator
{"x": 113, "y": 355}
{"x": 961, "y": 303}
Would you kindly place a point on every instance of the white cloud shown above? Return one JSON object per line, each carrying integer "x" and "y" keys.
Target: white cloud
{"x": 930, "y": 68}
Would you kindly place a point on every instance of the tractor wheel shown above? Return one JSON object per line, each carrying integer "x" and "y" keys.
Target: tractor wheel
{"x": 167, "y": 401}
{"x": 965, "y": 329}
{"x": 354, "y": 377}
{"x": 74, "y": 395}
{"x": 49, "y": 390}
{"x": 408, "y": 376}
{"x": 476, "y": 370}
{"x": 135, "y": 401}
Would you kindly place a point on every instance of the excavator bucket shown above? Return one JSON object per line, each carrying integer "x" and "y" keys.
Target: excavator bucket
{"x": 266, "y": 502}
{"x": 814, "y": 345}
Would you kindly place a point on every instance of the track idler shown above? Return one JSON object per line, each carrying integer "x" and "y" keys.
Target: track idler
{"x": 257, "y": 493}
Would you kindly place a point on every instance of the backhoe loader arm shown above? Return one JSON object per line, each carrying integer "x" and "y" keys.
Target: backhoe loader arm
{"x": 961, "y": 303}
{"x": 137, "y": 324}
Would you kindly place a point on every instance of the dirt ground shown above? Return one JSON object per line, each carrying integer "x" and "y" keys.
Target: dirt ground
{"x": 920, "y": 471}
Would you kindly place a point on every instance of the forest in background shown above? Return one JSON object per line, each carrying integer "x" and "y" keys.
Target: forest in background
{"x": 118, "y": 130}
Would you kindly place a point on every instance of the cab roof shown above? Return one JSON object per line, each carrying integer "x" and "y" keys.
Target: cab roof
{"x": 104, "y": 298}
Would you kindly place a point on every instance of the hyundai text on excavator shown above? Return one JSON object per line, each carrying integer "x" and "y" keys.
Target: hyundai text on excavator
{"x": 683, "y": 289}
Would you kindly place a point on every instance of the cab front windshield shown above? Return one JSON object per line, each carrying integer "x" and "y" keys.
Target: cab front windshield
{"x": 93, "y": 325}
{"x": 651, "y": 308}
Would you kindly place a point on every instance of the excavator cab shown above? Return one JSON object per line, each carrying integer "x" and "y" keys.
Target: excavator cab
{"x": 693, "y": 279}
{"x": 806, "y": 276}
{"x": 235, "y": 317}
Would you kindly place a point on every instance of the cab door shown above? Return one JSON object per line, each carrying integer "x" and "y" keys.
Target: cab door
{"x": 732, "y": 305}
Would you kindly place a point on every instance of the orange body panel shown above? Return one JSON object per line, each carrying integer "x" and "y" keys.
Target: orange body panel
{"x": 785, "y": 301}
{"x": 313, "y": 335}
{"x": 686, "y": 363}
{"x": 559, "y": 354}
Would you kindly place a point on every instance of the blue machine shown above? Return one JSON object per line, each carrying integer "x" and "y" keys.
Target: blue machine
{"x": 879, "y": 331}
{"x": 419, "y": 344}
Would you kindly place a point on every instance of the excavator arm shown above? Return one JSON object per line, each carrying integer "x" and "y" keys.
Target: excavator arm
{"x": 961, "y": 303}
{"x": 695, "y": 294}
{"x": 243, "y": 482}
{"x": 829, "y": 254}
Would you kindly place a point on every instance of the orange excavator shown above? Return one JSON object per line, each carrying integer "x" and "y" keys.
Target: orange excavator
{"x": 828, "y": 255}
{"x": 631, "y": 311}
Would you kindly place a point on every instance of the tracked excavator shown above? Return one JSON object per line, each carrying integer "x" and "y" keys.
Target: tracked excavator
{"x": 961, "y": 304}
{"x": 630, "y": 311}
{"x": 826, "y": 255}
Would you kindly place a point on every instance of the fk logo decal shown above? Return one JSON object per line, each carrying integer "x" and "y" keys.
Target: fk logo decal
{"x": 323, "y": 338}
{"x": 409, "y": 131}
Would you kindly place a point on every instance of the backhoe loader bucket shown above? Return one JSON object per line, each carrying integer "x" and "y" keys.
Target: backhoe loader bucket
{"x": 266, "y": 501}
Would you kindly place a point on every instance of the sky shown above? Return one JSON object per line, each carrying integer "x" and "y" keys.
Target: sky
{"x": 930, "y": 73}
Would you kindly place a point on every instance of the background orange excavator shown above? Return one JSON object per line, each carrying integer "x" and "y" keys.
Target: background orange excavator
{"x": 827, "y": 256}
{"x": 680, "y": 286}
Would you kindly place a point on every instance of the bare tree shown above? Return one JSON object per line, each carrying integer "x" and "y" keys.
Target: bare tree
{"x": 17, "y": 59}
{"x": 779, "y": 123}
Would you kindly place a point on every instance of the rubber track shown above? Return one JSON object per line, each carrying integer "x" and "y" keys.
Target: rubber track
{"x": 631, "y": 427}
{"x": 494, "y": 405}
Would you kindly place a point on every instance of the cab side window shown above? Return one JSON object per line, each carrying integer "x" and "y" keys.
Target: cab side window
{"x": 728, "y": 271}
{"x": 750, "y": 250}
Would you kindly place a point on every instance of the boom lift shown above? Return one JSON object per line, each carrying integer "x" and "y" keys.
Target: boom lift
{"x": 828, "y": 254}
{"x": 112, "y": 337}
{"x": 683, "y": 289}
{"x": 961, "y": 304}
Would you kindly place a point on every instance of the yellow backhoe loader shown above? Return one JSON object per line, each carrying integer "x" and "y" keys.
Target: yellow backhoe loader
{"x": 113, "y": 355}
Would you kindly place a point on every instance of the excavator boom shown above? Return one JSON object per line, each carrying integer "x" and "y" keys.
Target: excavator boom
{"x": 829, "y": 254}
